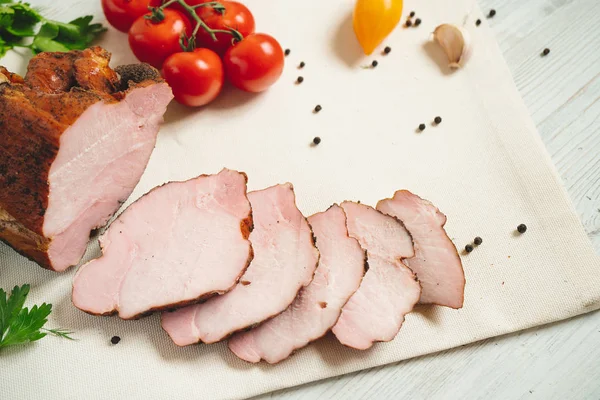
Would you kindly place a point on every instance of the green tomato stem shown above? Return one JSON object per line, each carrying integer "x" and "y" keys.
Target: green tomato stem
{"x": 189, "y": 44}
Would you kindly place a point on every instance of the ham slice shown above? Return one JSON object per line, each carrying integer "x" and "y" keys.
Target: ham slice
{"x": 75, "y": 139}
{"x": 178, "y": 244}
{"x": 389, "y": 289}
{"x": 436, "y": 261}
{"x": 285, "y": 259}
{"x": 318, "y": 306}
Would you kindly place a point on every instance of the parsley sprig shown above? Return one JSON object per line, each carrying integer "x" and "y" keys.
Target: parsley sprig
{"x": 20, "y": 325}
{"x": 18, "y": 21}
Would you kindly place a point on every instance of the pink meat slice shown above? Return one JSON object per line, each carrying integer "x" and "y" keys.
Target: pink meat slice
{"x": 318, "y": 306}
{"x": 284, "y": 261}
{"x": 103, "y": 154}
{"x": 389, "y": 289}
{"x": 180, "y": 243}
{"x": 436, "y": 261}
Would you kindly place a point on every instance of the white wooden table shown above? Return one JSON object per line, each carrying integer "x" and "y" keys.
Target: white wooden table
{"x": 560, "y": 361}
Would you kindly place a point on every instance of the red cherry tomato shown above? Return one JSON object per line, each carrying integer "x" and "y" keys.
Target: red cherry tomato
{"x": 122, "y": 13}
{"x": 152, "y": 42}
{"x": 255, "y": 63}
{"x": 196, "y": 77}
{"x": 236, "y": 16}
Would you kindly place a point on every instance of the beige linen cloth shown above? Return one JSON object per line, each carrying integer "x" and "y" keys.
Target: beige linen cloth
{"x": 484, "y": 166}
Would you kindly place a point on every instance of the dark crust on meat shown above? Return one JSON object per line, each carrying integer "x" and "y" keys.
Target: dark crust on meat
{"x": 247, "y": 224}
{"x": 28, "y": 146}
{"x": 36, "y": 255}
{"x": 58, "y": 72}
{"x": 34, "y": 113}
{"x": 445, "y": 233}
{"x": 136, "y": 73}
{"x": 11, "y": 76}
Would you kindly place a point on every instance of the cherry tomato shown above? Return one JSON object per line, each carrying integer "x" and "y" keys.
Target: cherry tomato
{"x": 255, "y": 63}
{"x": 374, "y": 20}
{"x": 122, "y": 13}
{"x": 236, "y": 16}
{"x": 196, "y": 77}
{"x": 152, "y": 42}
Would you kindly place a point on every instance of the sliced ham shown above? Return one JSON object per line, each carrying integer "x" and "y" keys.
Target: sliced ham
{"x": 436, "y": 261}
{"x": 285, "y": 259}
{"x": 75, "y": 139}
{"x": 178, "y": 244}
{"x": 389, "y": 289}
{"x": 318, "y": 306}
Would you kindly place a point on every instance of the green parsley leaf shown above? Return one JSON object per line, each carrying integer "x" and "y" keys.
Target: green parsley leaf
{"x": 10, "y": 306}
{"x": 7, "y": 16}
{"x": 24, "y": 21}
{"x": 4, "y": 47}
{"x": 20, "y": 325}
{"x": 88, "y": 32}
{"x": 19, "y": 20}
{"x": 59, "y": 36}
{"x": 25, "y": 327}
{"x": 45, "y": 39}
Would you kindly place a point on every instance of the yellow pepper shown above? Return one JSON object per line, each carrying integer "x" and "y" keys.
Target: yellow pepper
{"x": 374, "y": 20}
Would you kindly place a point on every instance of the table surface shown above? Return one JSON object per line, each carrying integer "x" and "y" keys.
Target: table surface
{"x": 559, "y": 361}
{"x": 562, "y": 360}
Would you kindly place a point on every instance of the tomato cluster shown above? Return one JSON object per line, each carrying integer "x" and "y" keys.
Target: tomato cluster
{"x": 198, "y": 44}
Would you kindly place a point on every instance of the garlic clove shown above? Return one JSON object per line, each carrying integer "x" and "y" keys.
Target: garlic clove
{"x": 456, "y": 43}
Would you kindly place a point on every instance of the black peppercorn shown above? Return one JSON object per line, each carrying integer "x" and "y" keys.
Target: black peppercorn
{"x": 301, "y": 65}
{"x": 478, "y": 240}
{"x": 522, "y": 228}
{"x": 546, "y": 52}
{"x": 417, "y": 21}
{"x": 115, "y": 339}
{"x": 387, "y": 50}
{"x": 300, "y": 79}
{"x": 492, "y": 13}
{"x": 318, "y": 108}
{"x": 374, "y": 63}
{"x": 468, "y": 248}
{"x": 422, "y": 127}
{"x": 287, "y": 52}
{"x": 412, "y": 14}
{"x": 478, "y": 22}
{"x": 409, "y": 23}
{"x": 437, "y": 120}
{"x": 317, "y": 140}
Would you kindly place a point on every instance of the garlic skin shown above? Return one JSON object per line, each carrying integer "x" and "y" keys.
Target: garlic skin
{"x": 456, "y": 43}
